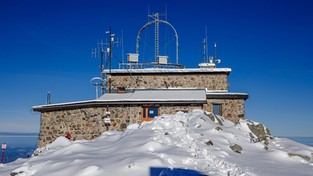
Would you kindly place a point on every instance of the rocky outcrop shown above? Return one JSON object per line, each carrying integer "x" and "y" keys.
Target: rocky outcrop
{"x": 259, "y": 133}
{"x": 307, "y": 158}
{"x": 236, "y": 148}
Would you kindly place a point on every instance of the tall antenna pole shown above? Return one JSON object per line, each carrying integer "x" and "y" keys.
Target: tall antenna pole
{"x": 214, "y": 51}
{"x": 101, "y": 71}
{"x": 156, "y": 16}
{"x": 206, "y": 43}
{"x": 48, "y": 98}
{"x": 110, "y": 57}
{"x": 102, "y": 57}
{"x": 205, "y": 48}
{"x": 122, "y": 46}
{"x": 165, "y": 12}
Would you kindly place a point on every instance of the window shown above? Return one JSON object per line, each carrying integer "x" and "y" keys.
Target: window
{"x": 217, "y": 109}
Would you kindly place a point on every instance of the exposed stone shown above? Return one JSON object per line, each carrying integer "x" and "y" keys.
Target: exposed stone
{"x": 216, "y": 81}
{"x": 231, "y": 108}
{"x": 87, "y": 123}
{"x": 307, "y": 158}
{"x": 218, "y": 129}
{"x": 259, "y": 131}
{"x": 81, "y": 125}
{"x": 208, "y": 142}
{"x": 16, "y": 173}
{"x": 236, "y": 148}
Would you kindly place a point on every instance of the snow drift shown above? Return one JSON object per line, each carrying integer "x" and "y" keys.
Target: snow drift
{"x": 196, "y": 143}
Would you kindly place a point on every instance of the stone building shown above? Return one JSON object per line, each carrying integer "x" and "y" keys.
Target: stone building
{"x": 138, "y": 95}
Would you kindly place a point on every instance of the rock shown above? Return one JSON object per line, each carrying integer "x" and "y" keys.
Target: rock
{"x": 236, "y": 148}
{"x": 218, "y": 129}
{"x": 213, "y": 117}
{"x": 13, "y": 173}
{"x": 262, "y": 133}
{"x": 252, "y": 139}
{"x": 16, "y": 173}
{"x": 307, "y": 158}
{"x": 209, "y": 143}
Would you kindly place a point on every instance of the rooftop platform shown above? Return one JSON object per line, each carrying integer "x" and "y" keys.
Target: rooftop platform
{"x": 167, "y": 71}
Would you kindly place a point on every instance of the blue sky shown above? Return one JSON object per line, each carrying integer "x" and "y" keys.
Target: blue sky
{"x": 46, "y": 46}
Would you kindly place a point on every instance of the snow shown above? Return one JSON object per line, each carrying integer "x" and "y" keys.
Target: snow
{"x": 140, "y": 96}
{"x": 162, "y": 70}
{"x": 164, "y": 95}
{"x": 170, "y": 143}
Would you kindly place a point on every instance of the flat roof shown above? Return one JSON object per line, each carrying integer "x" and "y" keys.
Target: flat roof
{"x": 165, "y": 96}
{"x": 226, "y": 95}
{"x": 166, "y": 71}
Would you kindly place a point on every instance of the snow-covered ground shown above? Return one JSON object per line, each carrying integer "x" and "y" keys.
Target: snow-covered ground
{"x": 197, "y": 141}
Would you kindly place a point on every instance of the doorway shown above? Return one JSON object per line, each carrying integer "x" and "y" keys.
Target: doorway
{"x": 149, "y": 112}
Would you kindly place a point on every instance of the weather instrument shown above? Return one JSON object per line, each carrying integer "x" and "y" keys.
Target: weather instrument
{"x": 98, "y": 82}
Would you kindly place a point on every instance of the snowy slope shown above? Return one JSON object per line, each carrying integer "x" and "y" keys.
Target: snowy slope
{"x": 197, "y": 141}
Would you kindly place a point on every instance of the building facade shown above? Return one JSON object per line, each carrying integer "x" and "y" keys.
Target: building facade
{"x": 139, "y": 95}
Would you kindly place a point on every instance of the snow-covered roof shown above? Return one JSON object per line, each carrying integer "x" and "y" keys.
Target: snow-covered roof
{"x": 162, "y": 70}
{"x": 162, "y": 96}
{"x": 159, "y": 95}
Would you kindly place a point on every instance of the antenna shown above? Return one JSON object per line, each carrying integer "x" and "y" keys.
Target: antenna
{"x": 94, "y": 52}
{"x": 214, "y": 51}
{"x": 206, "y": 42}
{"x": 205, "y": 48}
{"x": 104, "y": 50}
{"x": 165, "y": 11}
{"x": 110, "y": 52}
{"x": 122, "y": 43}
{"x": 156, "y": 20}
{"x": 216, "y": 61}
{"x": 48, "y": 98}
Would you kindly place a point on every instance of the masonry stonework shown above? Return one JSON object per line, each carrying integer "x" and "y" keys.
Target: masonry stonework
{"x": 232, "y": 109}
{"x": 87, "y": 123}
{"x": 216, "y": 81}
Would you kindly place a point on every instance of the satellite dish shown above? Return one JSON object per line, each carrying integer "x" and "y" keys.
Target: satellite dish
{"x": 97, "y": 82}
{"x": 217, "y": 61}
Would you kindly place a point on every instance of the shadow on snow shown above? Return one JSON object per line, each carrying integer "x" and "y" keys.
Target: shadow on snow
{"x": 159, "y": 171}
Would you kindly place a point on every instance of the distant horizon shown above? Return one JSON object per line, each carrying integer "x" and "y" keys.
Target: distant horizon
{"x": 37, "y": 133}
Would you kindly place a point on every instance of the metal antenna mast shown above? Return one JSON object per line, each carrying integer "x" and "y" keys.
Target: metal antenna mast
{"x": 205, "y": 48}
{"x": 156, "y": 21}
{"x": 104, "y": 49}
{"x": 156, "y": 35}
{"x": 48, "y": 98}
{"x": 214, "y": 51}
{"x": 110, "y": 56}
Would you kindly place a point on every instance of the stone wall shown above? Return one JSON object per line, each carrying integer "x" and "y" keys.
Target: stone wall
{"x": 175, "y": 109}
{"x": 87, "y": 123}
{"x": 216, "y": 81}
{"x": 232, "y": 109}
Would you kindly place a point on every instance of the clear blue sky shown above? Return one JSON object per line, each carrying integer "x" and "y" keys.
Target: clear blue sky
{"x": 46, "y": 46}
